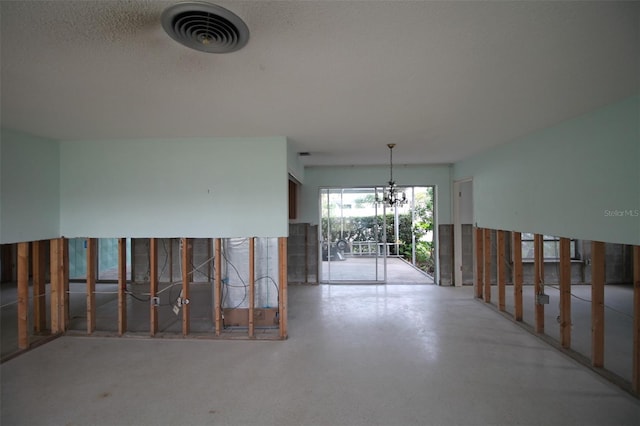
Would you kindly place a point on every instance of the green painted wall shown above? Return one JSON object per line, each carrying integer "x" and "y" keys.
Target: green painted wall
{"x": 29, "y": 187}
{"x": 294, "y": 165}
{"x": 578, "y": 179}
{"x": 221, "y": 187}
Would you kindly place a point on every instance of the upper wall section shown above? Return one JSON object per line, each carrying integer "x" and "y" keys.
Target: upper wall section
{"x": 579, "y": 179}
{"x": 29, "y": 188}
{"x": 369, "y": 176}
{"x": 218, "y": 187}
{"x": 294, "y": 165}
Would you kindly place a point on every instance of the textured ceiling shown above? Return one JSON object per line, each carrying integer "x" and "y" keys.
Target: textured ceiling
{"x": 443, "y": 80}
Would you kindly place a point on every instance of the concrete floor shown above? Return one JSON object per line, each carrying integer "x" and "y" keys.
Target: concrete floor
{"x": 618, "y": 321}
{"x": 357, "y": 355}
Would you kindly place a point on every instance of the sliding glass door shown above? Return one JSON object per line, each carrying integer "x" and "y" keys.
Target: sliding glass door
{"x": 353, "y": 236}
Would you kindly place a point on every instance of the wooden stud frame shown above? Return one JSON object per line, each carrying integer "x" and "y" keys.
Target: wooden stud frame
{"x": 597, "y": 303}
{"x": 186, "y": 275}
{"x": 57, "y": 286}
{"x": 218, "y": 286}
{"x": 122, "y": 286}
{"x": 635, "y": 379}
{"x": 282, "y": 285}
{"x": 39, "y": 264}
{"x": 538, "y": 281}
{"x": 487, "y": 265}
{"x": 23, "y": 295}
{"x": 92, "y": 247}
{"x": 501, "y": 269}
{"x": 65, "y": 282}
{"x": 517, "y": 275}
{"x": 565, "y": 293}
{"x": 479, "y": 244}
{"x": 153, "y": 286}
{"x": 252, "y": 285}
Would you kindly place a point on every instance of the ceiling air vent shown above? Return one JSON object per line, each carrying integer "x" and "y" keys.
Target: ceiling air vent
{"x": 205, "y": 27}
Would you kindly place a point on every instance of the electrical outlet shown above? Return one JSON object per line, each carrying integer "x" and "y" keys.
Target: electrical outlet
{"x": 542, "y": 299}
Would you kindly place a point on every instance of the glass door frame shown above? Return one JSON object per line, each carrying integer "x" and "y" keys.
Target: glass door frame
{"x": 322, "y": 238}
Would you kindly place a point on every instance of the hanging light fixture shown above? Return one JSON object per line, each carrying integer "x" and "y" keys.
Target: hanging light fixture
{"x": 391, "y": 196}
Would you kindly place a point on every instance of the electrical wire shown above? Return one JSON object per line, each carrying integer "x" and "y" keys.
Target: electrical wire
{"x": 556, "y": 255}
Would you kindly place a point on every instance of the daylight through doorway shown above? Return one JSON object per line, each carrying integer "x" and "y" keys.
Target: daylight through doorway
{"x": 359, "y": 236}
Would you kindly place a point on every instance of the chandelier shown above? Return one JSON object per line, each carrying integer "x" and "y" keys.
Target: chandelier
{"x": 391, "y": 196}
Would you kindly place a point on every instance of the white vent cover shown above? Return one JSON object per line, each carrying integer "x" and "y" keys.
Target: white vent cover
{"x": 205, "y": 27}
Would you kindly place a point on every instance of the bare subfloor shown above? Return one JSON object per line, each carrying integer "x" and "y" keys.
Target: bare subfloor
{"x": 357, "y": 355}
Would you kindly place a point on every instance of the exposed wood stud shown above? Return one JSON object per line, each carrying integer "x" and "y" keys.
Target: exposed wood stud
{"x": 479, "y": 245}
{"x": 501, "y": 269}
{"x": 23, "y": 295}
{"x": 57, "y": 288}
{"x": 597, "y": 303}
{"x": 565, "y": 293}
{"x": 635, "y": 380}
{"x": 538, "y": 282}
{"x": 65, "y": 283}
{"x": 122, "y": 286}
{"x": 186, "y": 274}
{"x": 252, "y": 285}
{"x": 487, "y": 265}
{"x": 282, "y": 284}
{"x": 39, "y": 263}
{"x": 153, "y": 286}
{"x": 517, "y": 275}
{"x": 91, "y": 284}
{"x": 218, "y": 286}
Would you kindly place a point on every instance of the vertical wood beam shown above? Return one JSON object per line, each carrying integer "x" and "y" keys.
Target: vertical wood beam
{"x": 153, "y": 286}
{"x": 39, "y": 264}
{"x": 538, "y": 280}
{"x": 57, "y": 288}
{"x": 487, "y": 265}
{"x": 635, "y": 379}
{"x": 282, "y": 283}
{"x": 597, "y": 303}
{"x": 122, "y": 286}
{"x": 186, "y": 272}
{"x": 252, "y": 284}
{"x": 502, "y": 270}
{"x": 565, "y": 293}
{"x": 479, "y": 245}
{"x": 517, "y": 275}
{"x": 23, "y": 295}
{"x": 218, "y": 286}
{"x": 91, "y": 284}
{"x": 65, "y": 282}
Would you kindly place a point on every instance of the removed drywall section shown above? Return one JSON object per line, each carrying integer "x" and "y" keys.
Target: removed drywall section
{"x": 29, "y": 187}
{"x": 579, "y": 179}
{"x": 219, "y": 187}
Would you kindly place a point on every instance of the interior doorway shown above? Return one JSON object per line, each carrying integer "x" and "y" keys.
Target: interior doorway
{"x": 463, "y": 232}
{"x": 360, "y": 238}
